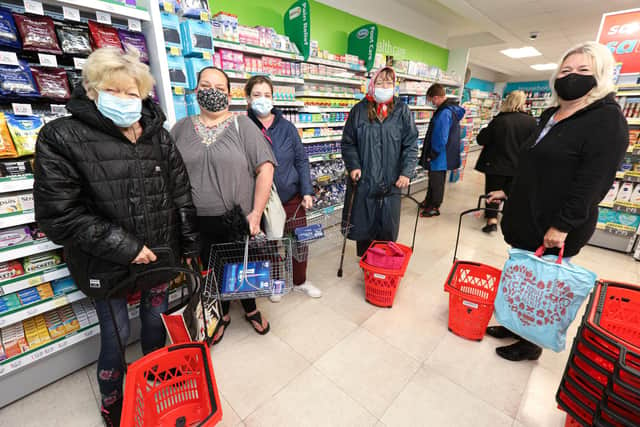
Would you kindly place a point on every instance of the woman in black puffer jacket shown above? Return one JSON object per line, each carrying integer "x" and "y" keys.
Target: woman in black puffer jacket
{"x": 111, "y": 187}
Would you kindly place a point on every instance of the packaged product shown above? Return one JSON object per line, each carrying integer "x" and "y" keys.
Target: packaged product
{"x": 179, "y": 106}
{"x": 74, "y": 39}
{"x": 75, "y": 78}
{"x": 38, "y": 33}
{"x": 14, "y": 236}
{"x": 7, "y": 149}
{"x": 169, "y": 6}
{"x": 68, "y": 318}
{"x": 624, "y": 195}
{"x": 171, "y": 30}
{"x": 10, "y": 269}
{"x": 3, "y": 355}
{"x": 45, "y": 291}
{"x": 613, "y": 193}
{"x": 193, "y": 67}
{"x": 63, "y": 286}
{"x": 177, "y": 71}
{"x": 134, "y": 41}
{"x": 41, "y": 262}
{"x": 16, "y": 80}
{"x": 9, "y": 303}
{"x": 54, "y": 324}
{"x": 14, "y": 168}
{"x": 635, "y": 195}
{"x": 103, "y": 35}
{"x": 196, "y": 37}
{"x": 13, "y": 340}
{"x": 193, "y": 8}
{"x": 24, "y": 132}
{"x": 52, "y": 82}
{"x": 9, "y": 203}
{"x": 193, "y": 108}
{"x": 8, "y": 32}
{"x": 28, "y": 296}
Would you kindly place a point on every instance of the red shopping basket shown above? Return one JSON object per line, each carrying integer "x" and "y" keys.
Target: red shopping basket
{"x": 380, "y": 284}
{"x": 172, "y": 387}
{"x": 472, "y": 289}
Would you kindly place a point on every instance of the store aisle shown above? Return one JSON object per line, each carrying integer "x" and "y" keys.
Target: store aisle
{"x": 339, "y": 361}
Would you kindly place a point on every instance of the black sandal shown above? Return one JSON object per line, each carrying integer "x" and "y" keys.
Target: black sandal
{"x": 221, "y": 323}
{"x": 257, "y": 317}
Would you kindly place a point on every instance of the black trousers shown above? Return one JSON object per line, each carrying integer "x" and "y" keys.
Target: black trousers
{"x": 435, "y": 191}
{"x": 495, "y": 183}
{"x": 212, "y": 231}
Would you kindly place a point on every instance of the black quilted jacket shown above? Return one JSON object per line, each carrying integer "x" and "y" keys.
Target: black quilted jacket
{"x": 103, "y": 198}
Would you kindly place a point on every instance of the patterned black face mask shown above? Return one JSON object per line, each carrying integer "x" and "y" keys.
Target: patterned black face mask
{"x": 213, "y": 100}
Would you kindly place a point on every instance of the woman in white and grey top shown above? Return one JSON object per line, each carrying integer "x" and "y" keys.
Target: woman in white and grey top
{"x": 230, "y": 165}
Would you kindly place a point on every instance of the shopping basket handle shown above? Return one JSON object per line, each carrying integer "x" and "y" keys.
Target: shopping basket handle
{"x": 467, "y": 212}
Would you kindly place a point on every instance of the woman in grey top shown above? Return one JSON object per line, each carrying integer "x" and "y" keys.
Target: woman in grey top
{"x": 230, "y": 165}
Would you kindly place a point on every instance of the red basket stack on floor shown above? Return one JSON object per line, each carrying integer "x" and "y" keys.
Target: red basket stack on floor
{"x": 472, "y": 290}
{"x": 381, "y": 283}
{"x": 601, "y": 382}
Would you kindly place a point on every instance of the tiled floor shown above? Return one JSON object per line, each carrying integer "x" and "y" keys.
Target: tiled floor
{"x": 339, "y": 361}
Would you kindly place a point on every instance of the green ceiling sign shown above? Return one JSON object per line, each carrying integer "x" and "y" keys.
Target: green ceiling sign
{"x": 297, "y": 25}
{"x": 363, "y": 42}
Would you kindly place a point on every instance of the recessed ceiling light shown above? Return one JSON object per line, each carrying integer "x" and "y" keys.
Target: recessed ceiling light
{"x": 523, "y": 52}
{"x": 545, "y": 67}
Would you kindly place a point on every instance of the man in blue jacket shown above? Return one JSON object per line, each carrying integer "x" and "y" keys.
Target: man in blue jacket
{"x": 441, "y": 150}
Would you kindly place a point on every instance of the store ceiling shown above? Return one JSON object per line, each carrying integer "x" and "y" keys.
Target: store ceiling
{"x": 489, "y": 26}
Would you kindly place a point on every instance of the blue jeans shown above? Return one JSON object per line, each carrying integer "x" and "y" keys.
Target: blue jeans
{"x": 152, "y": 337}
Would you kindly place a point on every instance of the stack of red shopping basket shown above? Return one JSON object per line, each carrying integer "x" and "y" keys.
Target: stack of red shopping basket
{"x": 601, "y": 382}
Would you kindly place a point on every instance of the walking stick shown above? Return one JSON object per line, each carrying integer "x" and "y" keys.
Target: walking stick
{"x": 346, "y": 227}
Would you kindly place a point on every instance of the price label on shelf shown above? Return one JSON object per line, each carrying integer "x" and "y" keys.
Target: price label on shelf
{"x": 8, "y": 58}
{"x": 174, "y": 51}
{"x": 168, "y": 7}
{"x": 34, "y": 7}
{"x": 134, "y": 24}
{"x": 62, "y": 344}
{"x": 47, "y": 60}
{"x": 59, "y": 109}
{"x": 59, "y": 302}
{"x": 206, "y": 55}
{"x": 204, "y": 16}
{"x": 22, "y": 109}
{"x": 71, "y": 13}
{"x": 103, "y": 17}
{"x": 49, "y": 350}
{"x": 35, "y": 280}
{"x": 178, "y": 90}
{"x": 79, "y": 63}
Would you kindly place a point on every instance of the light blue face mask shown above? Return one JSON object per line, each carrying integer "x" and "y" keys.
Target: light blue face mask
{"x": 383, "y": 95}
{"x": 262, "y": 106}
{"x": 121, "y": 111}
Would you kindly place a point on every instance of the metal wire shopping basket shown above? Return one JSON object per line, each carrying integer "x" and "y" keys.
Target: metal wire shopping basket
{"x": 253, "y": 268}
{"x": 317, "y": 230}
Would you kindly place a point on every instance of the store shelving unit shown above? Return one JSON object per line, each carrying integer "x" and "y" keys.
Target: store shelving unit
{"x": 537, "y": 102}
{"x": 481, "y": 108}
{"x": 617, "y": 227}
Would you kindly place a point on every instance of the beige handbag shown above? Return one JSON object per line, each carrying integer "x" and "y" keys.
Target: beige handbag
{"x": 274, "y": 216}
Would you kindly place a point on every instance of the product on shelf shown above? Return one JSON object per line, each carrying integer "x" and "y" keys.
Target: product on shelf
{"x": 75, "y": 78}
{"x": 10, "y": 269}
{"x": 225, "y": 27}
{"x": 37, "y": 33}
{"x": 16, "y": 80}
{"x": 103, "y": 35}
{"x": 35, "y": 330}
{"x": 7, "y": 149}
{"x": 52, "y": 82}
{"x": 41, "y": 262}
{"x": 624, "y": 195}
{"x": 63, "y": 286}
{"x": 13, "y": 340}
{"x": 177, "y": 71}
{"x": 171, "y": 30}
{"x": 193, "y": 108}
{"x": 45, "y": 290}
{"x": 74, "y": 39}
{"x": 193, "y": 8}
{"x": 179, "y": 106}
{"x": 8, "y": 31}
{"x": 24, "y": 132}
{"x": 14, "y": 236}
{"x": 169, "y": 6}
{"x": 28, "y": 296}
{"x": 134, "y": 40}
{"x": 613, "y": 193}
{"x": 631, "y": 108}
{"x": 193, "y": 67}
{"x": 196, "y": 37}
{"x": 635, "y": 195}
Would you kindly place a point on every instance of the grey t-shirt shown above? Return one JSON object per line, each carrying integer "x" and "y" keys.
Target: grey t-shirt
{"x": 222, "y": 174}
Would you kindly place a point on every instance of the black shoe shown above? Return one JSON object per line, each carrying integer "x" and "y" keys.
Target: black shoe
{"x": 490, "y": 228}
{"x": 430, "y": 212}
{"x": 522, "y": 350}
{"x": 423, "y": 204}
{"x": 111, "y": 414}
{"x": 501, "y": 332}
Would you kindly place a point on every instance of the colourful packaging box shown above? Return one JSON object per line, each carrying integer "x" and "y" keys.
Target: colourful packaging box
{"x": 256, "y": 278}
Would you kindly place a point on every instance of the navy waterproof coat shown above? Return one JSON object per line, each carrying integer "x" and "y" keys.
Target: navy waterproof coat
{"x": 383, "y": 151}
{"x": 441, "y": 149}
{"x": 292, "y": 176}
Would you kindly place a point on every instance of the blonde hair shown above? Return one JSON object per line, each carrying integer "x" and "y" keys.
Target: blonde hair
{"x": 104, "y": 63}
{"x": 514, "y": 102}
{"x": 602, "y": 65}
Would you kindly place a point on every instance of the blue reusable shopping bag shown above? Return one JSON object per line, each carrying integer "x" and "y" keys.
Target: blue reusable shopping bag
{"x": 539, "y": 296}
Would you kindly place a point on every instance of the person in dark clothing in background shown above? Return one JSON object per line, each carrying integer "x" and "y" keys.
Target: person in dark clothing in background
{"x": 502, "y": 141}
{"x": 379, "y": 149}
{"x": 566, "y": 169}
{"x": 441, "y": 150}
{"x": 292, "y": 176}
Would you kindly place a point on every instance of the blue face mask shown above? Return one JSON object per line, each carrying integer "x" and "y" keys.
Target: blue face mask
{"x": 383, "y": 95}
{"x": 121, "y": 111}
{"x": 262, "y": 106}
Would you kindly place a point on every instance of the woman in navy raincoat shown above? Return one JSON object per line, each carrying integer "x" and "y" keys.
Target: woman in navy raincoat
{"x": 379, "y": 149}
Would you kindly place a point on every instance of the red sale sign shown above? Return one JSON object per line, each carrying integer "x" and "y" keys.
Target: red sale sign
{"x": 620, "y": 32}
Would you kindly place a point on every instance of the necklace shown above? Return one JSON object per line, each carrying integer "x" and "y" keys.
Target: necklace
{"x": 210, "y": 134}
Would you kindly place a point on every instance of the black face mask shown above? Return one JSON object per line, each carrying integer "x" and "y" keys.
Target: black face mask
{"x": 213, "y": 99}
{"x": 574, "y": 86}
